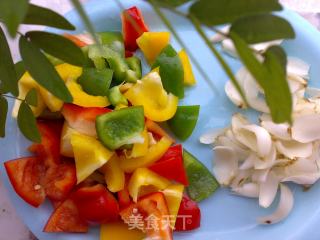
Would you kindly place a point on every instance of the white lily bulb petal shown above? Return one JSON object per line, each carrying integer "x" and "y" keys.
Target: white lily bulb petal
{"x": 234, "y": 95}
{"x": 250, "y": 190}
{"x": 240, "y": 178}
{"x": 260, "y": 175}
{"x": 296, "y": 83}
{"x": 256, "y": 138}
{"x": 262, "y": 47}
{"x": 298, "y": 67}
{"x": 219, "y": 37}
{"x": 280, "y": 131}
{"x": 229, "y": 142}
{"x": 225, "y": 164}
{"x": 237, "y": 122}
{"x": 229, "y": 48}
{"x": 267, "y": 161}
{"x": 248, "y": 163}
{"x": 307, "y": 179}
{"x": 211, "y": 136}
{"x": 284, "y": 207}
{"x": 306, "y": 128}
{"x": 268, "y": 190}
{"x": 293, "y": 149}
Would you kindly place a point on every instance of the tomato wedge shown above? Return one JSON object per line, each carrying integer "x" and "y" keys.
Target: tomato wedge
{"x": 60, "y": 180}
{"x": 133, "y": 26}
{"x": 151, "y": 215}
{"x": 189, "y": 215}
{"x": 49, "y": 148}
{"x": 96, "y": 204}
{"x": 83, "y": 119}
{"x": 66, "y": 218}
{"x": 171, "y": 165}
{"x": 25, "y": 175}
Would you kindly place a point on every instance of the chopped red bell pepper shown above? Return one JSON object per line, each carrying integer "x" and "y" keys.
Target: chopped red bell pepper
{"x": 171, "y": 165}
{"x": 128, "y": 54}
{"x": 25, "y": 175}
{"x": 49, "y": 148}
{"x": 60, "y": 180}
{"x": 133, "y": 26}
{"x": 189, "y": 215}
{"x": 96, "y": 204}
{"x": 124, "y": 198}
{"x": 153, "y": 215}
{"x": 83, "y": 119}
{"x": 75, "y": 40}
{"x": 66, "y": 218}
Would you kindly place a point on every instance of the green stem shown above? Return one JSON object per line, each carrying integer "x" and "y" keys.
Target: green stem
{"x": 177, "y": 37}
{"x": 85, "y": 19}
{"x": 222, "y": 62}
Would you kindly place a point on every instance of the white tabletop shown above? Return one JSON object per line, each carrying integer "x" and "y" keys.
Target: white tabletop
{"x": 11, "y": 227}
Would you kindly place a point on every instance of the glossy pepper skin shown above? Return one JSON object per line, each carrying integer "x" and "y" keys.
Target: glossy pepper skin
{"x": 152, "y": 43}
{"x": 188, "y": 208}
{"x": 142, "y": 180}
{"x": 171, "y": 71}
{"x": 155, "y": 152}
{"x": 133, "y": 26}
{"x": 117, "y": 128}
{"x": 159, "y": 106}
{"x": 151, "y": 206}
{"x": 96, "y": 204}
{"x": 202, "y": 183}
{"x": 184, "y": 121}
{"x": 171, "y": 165}
{"x": 189, "y": 78}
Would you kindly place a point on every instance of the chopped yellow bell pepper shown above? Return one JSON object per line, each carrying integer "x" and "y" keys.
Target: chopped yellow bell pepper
{"x": 143, "y": 177}
{"x": 81, "y": 98}
{"x": 155, "y": 128}
{"x": 65, "y": 141}
{"x": 158, "y": 105}
{"x": 155, "y": 152}
{"x": 23, "y": 91}
{"x": 152, "y": 43}
{"x": 119, "y": 231}
{"x": 66, "y": 71}
{"x": 173, "y": 195}
{"x": 113, "y": 174}
{"x": 120, "y": 106}
{"x": 141, "y": 149}
{"x": 189, "y": 78}
{"x": 89, "y": 155}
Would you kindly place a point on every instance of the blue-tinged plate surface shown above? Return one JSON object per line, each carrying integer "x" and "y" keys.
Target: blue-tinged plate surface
{"x": 224, "y": 216}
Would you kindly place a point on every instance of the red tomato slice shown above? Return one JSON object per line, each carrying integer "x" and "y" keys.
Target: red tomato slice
{"x": 189, "y": 215}
{"x": 82, "y": 119}
{"x": 171, "y": 165}
{"x": 96, "y": 204}
{"x": 25, "y": 175}
{"x": 75, "y": 40}
{"x": 151, "y": 214}
{"x": 49, "y": 148}
{"x": 66, "y": 219}
{"x": 60, "y": 180}
{"x": 133, "y": 26}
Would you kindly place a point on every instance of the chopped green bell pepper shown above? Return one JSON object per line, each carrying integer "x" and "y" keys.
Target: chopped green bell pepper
{"x": 184, "y": 121}
{"x": 113, "y": 40}
{"x": 96, "y": 82}
{"x": 202, "y": 183}
{"x": 171, "y": 71}
{"x": 134, "y": 64}
{"x": 119, "y": 127}
{"x": 115, "y": 96}
{"x": 120, "y": 68}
